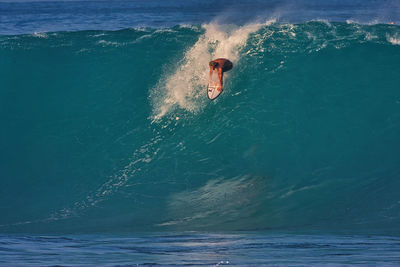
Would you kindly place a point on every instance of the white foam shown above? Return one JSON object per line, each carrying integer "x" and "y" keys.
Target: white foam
{"x": 393, "y": 39}
{"x": 370, "y": 37}
{"x": 350, "y": 21}
{"x": 184, "y": 87}
{"x": 326, "y": 22}
{"x": 99, "y": 35}
{"x": 40, "y": 34}
{"x": 363, "y": 22}
{"x": 108, "y": 43}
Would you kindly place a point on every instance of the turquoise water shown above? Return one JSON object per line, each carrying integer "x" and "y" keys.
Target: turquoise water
{"x": 112, "y": 131}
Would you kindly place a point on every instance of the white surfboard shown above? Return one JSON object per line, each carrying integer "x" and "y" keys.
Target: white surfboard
{"x": 213, "y": 84}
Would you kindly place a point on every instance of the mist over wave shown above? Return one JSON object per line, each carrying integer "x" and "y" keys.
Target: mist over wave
{"x": 112, "y": 130}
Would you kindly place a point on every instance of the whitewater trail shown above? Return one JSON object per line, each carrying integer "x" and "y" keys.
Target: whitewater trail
{"x": 185, "y": 86}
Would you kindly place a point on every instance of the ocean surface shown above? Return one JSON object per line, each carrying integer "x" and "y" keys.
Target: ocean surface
{"x": 112, "y": 154}
{"x": 190, "y": 249}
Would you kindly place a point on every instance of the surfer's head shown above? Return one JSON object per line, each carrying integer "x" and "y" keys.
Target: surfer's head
{"x": 213, "y": 64}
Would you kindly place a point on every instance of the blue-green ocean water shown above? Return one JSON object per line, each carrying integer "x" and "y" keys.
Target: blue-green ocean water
{"x": 111, "y": 154}
{"x": 111, "y": 131}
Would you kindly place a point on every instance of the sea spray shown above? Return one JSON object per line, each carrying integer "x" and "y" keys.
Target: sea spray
{"x": 184, "y": 87}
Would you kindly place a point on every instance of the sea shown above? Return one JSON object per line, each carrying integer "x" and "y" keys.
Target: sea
{"x": 111, "y": 154}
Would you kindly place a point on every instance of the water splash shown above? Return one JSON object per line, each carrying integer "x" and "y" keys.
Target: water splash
{"x": 184, "y": 87}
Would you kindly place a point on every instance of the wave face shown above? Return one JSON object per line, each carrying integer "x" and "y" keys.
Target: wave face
{"x": 112, "y": 131}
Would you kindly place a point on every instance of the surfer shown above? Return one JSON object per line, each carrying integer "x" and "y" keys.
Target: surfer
{"x": 221, "y": 65}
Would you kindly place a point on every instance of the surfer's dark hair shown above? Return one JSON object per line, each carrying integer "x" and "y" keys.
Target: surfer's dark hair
{"x": 213, "y": 64}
